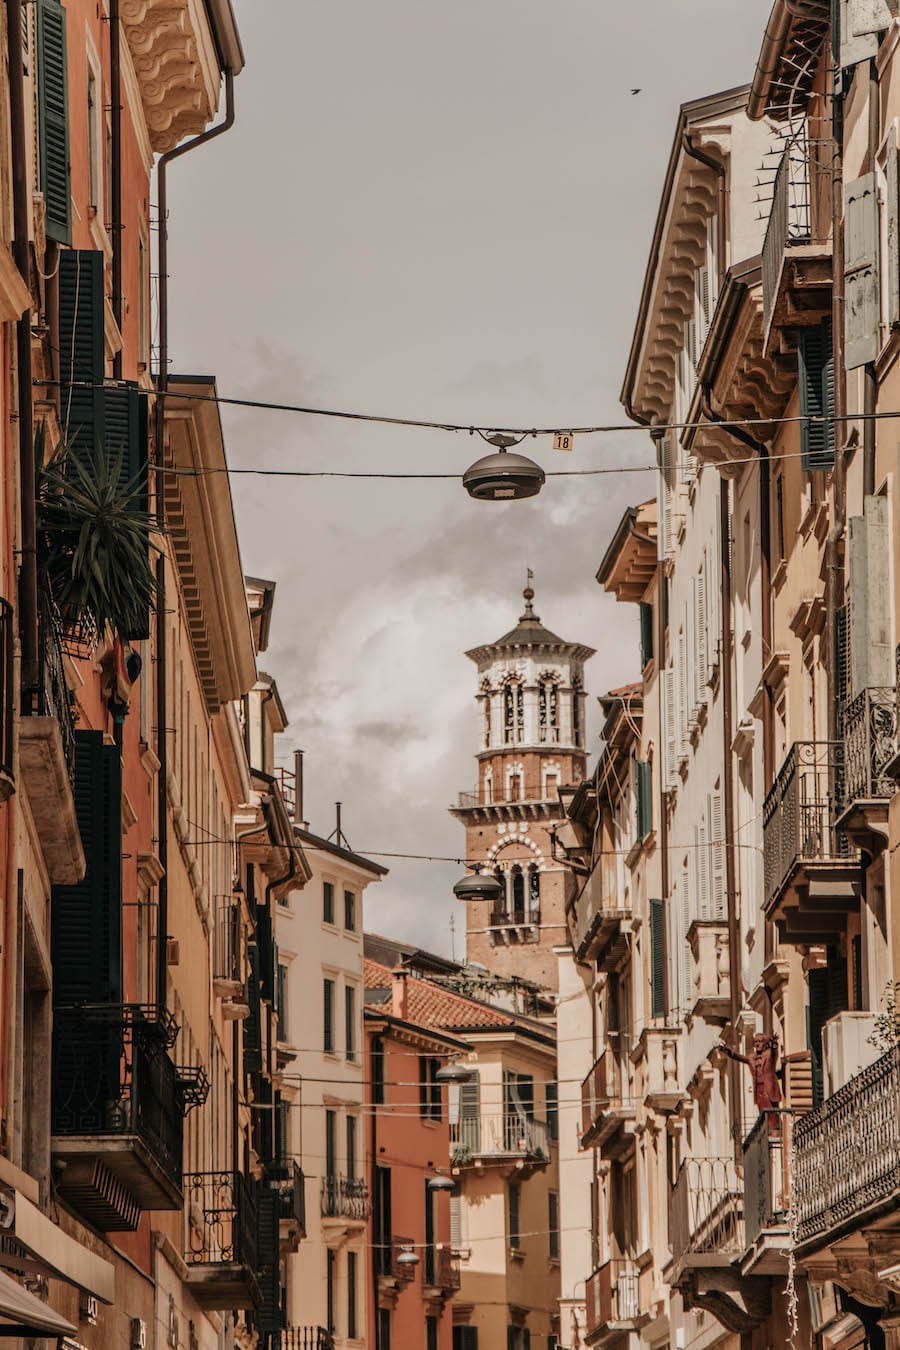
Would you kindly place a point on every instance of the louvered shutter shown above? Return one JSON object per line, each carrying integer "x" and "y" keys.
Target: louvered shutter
{"x": 86, "y": 934}
{"x": 681, "y": 707}
{"x": 816, "y": 1017}
{"x": 671, "y": 728}
{"x": 81, "y": 337}
{"x": 892, "y": 262}
{"x": 646, "y": 617}
{"x": 512, "y": 1338}
{"x": 861, "y": 285}
{"x": 657, "y": 959}
{"x": 252, "y": 1023}
{"x": 53, "y": 119}
{"x": 816, "y": 376}
{"x": 470, "y": 1114}
{"x": 683, "y": 946}
{"x": 644, "y": 788}
{"x": 701, "y": 629}
{"x": 717, "y": 850}
{"x": 455, "y": 1222}
{"x": 702, "y": 866}
{"x": 268, "y": 1314}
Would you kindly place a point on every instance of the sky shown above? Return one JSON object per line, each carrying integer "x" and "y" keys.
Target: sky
{"x": 436, "y": 212}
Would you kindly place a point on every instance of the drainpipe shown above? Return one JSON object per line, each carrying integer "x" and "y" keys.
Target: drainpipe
{"x": 162, "y": 382}
{"x": 833, "y": 559}
{"x": 721, "y": 218}
{"x": 28, "y": 589}
{"x": 870, "y": 388}
{"x": 115, "y": 177}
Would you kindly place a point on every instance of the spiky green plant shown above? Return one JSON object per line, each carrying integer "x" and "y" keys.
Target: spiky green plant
{"x": 95, "y": 539}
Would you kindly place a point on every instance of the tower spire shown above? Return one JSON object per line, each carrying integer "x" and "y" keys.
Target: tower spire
{"x": 528, "y": 594}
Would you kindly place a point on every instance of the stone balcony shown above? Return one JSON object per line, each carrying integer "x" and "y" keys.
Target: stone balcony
{"x": 660, "y": 1049}
{"x": 613, "y": 1303}
{"x": 711, "y": 984}
{"x": 607, "y": 1111}
{"x": 601, "y": 921}
{"x": 500, "y": 1139}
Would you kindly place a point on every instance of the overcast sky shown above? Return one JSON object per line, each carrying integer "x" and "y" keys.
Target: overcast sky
{"x": 440, "y": 212}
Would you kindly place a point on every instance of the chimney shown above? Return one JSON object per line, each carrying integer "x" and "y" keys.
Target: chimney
{"x": 399, "y": 976}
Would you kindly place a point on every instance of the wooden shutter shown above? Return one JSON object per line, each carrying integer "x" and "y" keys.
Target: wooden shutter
{"x": 267, "y": 1316}
{"x": 86, "y": 933}
{"x": 816, "y": 375}
{"x": 53, "y": 120}
{"x": 455, "y": 1222}
{"x": 82, "y": 349}
{"x": 862, "y": 308}
{"x": 646, "y": 617}
{"x": 328, "y": 1016}
{"x": 701, "y": 655}
{"x": 816, "y": 1017}
{"x": 717, "y": 851}
{"x": 671, "y": 729}
{"x": 253, "y": 1024}
{"x": 470, "y": 1114}
{"x": 892, "y": 262}
{"x": 657, "y": 959}
{"x": 702, "y": 866}
{"x": 644, "y": 787}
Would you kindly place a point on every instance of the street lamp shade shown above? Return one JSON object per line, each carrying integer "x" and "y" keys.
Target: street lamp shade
{"x": 407, "y": 1258}
{"x": 503, "y": 476}
{"x": 453, "y": 1073}
{"x": 441, "y": 1184}
{"x": 478, "y": 886}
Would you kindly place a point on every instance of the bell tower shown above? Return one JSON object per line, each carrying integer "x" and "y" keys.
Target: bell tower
{"x": 531, "y": 744}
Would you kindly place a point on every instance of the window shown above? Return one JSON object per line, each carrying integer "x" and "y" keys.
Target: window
{"x": 144, "y": 310}
{"x": 377, "y": 1069}
{"x": 513, "y": 1197}
{"x": 657, "y": 959}
{"x": 350, "y": 911}
{"x": 486, "y": 695}
{"x": 429, "y": 1088}
{"x": 534, "y": 895}
{"x": 350, "y": 1021}
{"x": 384, "y": 1329}
{"x": 576, "y": 711}
{"x": 381, "y": 1219}
{"x": 351, "y": 1296}
{"x": 330, "y": 1142}
{"x": 431, "y": 1333}
{"x": 646, "y": 616}
{"x": 551, "y": 1098}
{"x": 328, "y": 1013}
{"x": 643, "y": 783}
{"x": 330, "y": 1261}
{"x": 430, "y": 1273}
{"x": 553, "y": 1224}
{"x": 548, "y": 711}
{"x": 513, "y": 713}
{"x": 518, "y": 894}
{"x": 514, "y": 794}
{"x": 351, "y": 1148}
{"x": 281, "y": 1002}
{"x": 327, "y": 902}
{"x": 465, "y": 1338}
{"x": 93, "y": 130}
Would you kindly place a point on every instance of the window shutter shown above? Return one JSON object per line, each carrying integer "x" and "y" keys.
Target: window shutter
{"x": 512, "y": 1338}
{"x": 702, "y": 867}
{"x": 252, "y": 1024}
{"x": 702, "y": 655}
{"x": 680, "y": 709}
{"x": 646, "y": 617}
{"x": 86, "y": 930}
{"x": 470, "y": 1114}
{"x": 671, "y": 728}
{"x": 816, "y": 375}
{"x": 82, "y": 349}
{"x": 717, "y": 849}
{"x": 816, "y": 1017}
{"x": 328, "y": 1016}
{"x": 892, "y": 177}
{"x": 268, "y": 1314}
{"x": 455, "y": 1222}
{"x": 861, "y": 286}
{"x": 53, "y": 119}
{"x": 685, "y": 951}
{"x": 657, "y": 959}
{"x": 644, "y": 786}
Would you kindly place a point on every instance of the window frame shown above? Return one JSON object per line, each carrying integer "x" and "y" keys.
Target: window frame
{"x": 349, "y": 911}
{"x": 328, "y": 903}
{"x": 329, "y": 985}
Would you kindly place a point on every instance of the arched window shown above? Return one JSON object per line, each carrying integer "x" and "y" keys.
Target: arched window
{"x": 514, "y": 790}
{"x": 488, "y": 794}
{"x": 548, "y": 710}
{"x": 551, "y": 786}
{"x": 500, "y": 904}
{"x": 576, "y": 711}
{"x": 534, "y": 895}
{"x": 518, "y": 895}
{"x": 486, "y": 693}
{"x": 509, "y": 713}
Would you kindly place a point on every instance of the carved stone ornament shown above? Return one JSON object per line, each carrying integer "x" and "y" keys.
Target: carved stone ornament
{"x": 175, "y": 64}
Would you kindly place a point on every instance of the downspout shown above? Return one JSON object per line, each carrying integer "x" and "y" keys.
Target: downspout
{"x": 115, "y": 177}
{"x": 28, "y": 589}
{"x": 833, "y": 559}
{"x": 721, "y": 218}
{"x": 870, "y": 387}
{"x": 162, "y": 382}
{"x": 373, "y": 1150}
{"x": 762, "y": 451}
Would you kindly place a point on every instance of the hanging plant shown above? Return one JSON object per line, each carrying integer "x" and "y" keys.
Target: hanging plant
{"x": 95, "y": 539}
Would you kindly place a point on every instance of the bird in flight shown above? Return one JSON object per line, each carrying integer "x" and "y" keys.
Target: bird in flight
{"x": 635, "y": 91}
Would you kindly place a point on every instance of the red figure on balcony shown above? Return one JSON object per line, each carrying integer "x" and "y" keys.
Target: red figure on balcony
{"x": 763, "y": 1065}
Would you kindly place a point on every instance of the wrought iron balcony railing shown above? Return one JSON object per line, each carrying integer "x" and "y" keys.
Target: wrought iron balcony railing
{"x": 387, "y": 1258}
{"x": 613, "y": 1295}
{"x": 345, "y": 1198}
{"x": 303, "y": 1338}
{"x": 51, "y": 697}
{"x": 289, "y": 1183}
{"x": 227, "y": 942}
{"x": 220, "y": 1211}
{"x": 870, "y": 743}
{"x": 847, "y": 1154}
{"x": 6, "y": 688}
{"x": 112, "y": 1076}
{"x": 800, "y": 811}
{"x": 706, "y": 1210}
{"x": 765, "y": 1179}
{"x": 506, "y": 1134}
{"x": 795, "y": 212}
{"x": 603, "y": 1104}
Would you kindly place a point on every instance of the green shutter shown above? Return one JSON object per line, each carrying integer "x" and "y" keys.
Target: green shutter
{"x": 816, "y": 375}
{"x": 53, "y": 120}
{"x": 82, "y": 342}
{"x": 252, "y": 1026}
{"x": 86, "y": 934}
{"x": 657, "y": 959}
{"x": 646, "y": 616}
{"x": 268, "y": 1314}
{"x": 644, "y": 793}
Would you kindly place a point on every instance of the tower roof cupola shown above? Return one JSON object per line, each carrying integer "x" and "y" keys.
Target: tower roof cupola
{"x": 530, "y": 633}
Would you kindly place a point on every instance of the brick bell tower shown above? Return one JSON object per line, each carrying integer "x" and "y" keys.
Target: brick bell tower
{"x": 531, "y": 710}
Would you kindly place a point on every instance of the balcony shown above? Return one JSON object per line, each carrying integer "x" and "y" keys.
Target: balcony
{"x": 289, "y": 1184}
{"x": 711, "y": 984}
{"x": 796, "y": 253}
{"x": 706, "y": 1235}
{"x": 47, "y": 755}
{"x": 847, "y": 1157}
{"x": 766, "y": 1235}
{"x": 662, "y": 1083}
{"x": 489, "y": 804}
{"x": 220, "y": 1248}
{"x": 870, "y": 748}
{"x": 305, "y": 1338}
{"x": 392, "y": 1274}
{"x": 601, "y": 922}
{"x": 507, "y": 1138}
{"x": 117, "y": 1112}
{"x": 345, "y": 1198}
{"x": 227, "y": 982}
{"x": 606, "y": 1111}
{"x": 810, "y": 869}
{"x": 7, "y": 699}
{"x": 613, "y": 1302}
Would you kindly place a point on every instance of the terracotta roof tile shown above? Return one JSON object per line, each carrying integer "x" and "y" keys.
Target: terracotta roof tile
{"x": 428, "y": 1005}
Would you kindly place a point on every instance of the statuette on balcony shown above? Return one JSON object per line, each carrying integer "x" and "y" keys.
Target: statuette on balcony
{"x": 766, "y": 1072}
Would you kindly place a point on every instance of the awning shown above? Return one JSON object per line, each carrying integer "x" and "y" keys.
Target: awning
{"x": 50, "y": 1251}
{"x": 22, "y": 1314}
